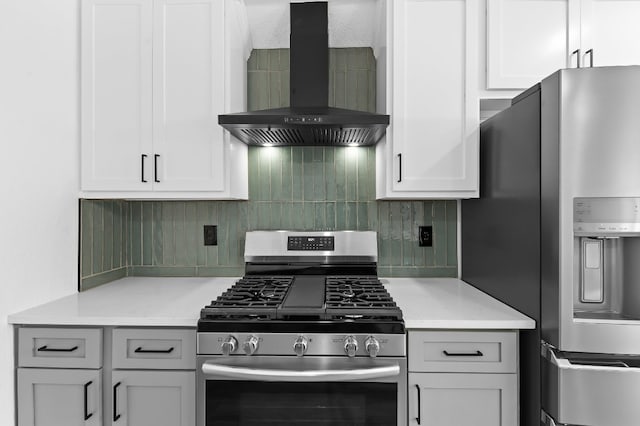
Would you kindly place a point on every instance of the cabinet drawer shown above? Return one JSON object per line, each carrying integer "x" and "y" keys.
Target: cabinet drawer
{"x": 463, "y": 351}
{"x": 60, "y": 347}
{"x": 143, "y": 348}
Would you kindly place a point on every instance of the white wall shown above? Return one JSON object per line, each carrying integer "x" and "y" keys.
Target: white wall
{"x": 39, "y": 152}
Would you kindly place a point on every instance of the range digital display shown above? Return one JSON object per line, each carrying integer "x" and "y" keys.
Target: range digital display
{"x": 311, "y": 243}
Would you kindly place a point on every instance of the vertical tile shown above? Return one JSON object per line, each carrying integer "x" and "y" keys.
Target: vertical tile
{"x": 286, "y": 170}
{"x": 252, "y": 215}
{"x": 202, "y": 219}
{"x": 252, "y": 62}
{"x": 307, "y": 173}
{"x": 118, "y": 236}
{"x": 297, "y": 216}
{"x": 408, "y": 242}
{"x": 395, "y": 227}
{"x": 362, "y": 216}
{"x": 373, "y": 215}
{"x": 254, "y": 172}
{"x": 275, "y": 89}
{"x": 384, "y": 243}
{"x": 275, "y": 213}
{"x": 352, "y": 216}
{"x": 297, "y": 173}
{"x": 341, "y": 59}
{"x": 451, "y": 207}
{"x": 329, "y": 173}
{"x": 319, "y": 183}
{"x": 223, "y": 234}
{"x": 309, "y": 216}
{"x": 232, "y": 231}
{"x": 330, "y": 216}
{"x": 264, "y": 186}
{"x": 257, "y": 90}
{"x": 264, "y": 216}
{"x": 417, "y": 214}
{"x": 351, "y": 173}
{"x": 341, "y": 215}
{"x": 86, "y": 237}
{"x": 340, "y": 173}
{"x": 439, "y": 233}
{"x": 285, "y": 87}
{"x": 362, "y": 90}
{"x": 276, "y": 176}
{"x": 242, "y": 207}
{"x": 429, "y": 252}
{"x": 352, "y": 89}
{"x": 147, "y": 233}
{"x": 274, "y": 59}
{"x": 332, "y": 84}
{"x": 371, "y": 96}
{"x": 263, "y": 59}
{"x": 107, "y": 244}
{"x": 180, "y": 226}
{"x": 363, "y": 182}
{"x": 136, "y": 232}
{"x": 340, "y": 89}
{"x": 211, "y": 252}
{"x": 320, "y": 222}
{"x": 168, "y": 234}
{"x": 98, "y": 236}
{"x": 191, "y": 234}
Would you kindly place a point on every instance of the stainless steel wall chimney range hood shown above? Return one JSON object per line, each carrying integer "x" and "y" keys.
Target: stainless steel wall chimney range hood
{"x": 309, "y": 120}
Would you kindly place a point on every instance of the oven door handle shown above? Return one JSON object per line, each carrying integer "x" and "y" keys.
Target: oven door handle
{"x": 283, "y": 375}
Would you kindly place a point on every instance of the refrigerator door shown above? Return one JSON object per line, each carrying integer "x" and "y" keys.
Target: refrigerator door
{"x": 590, "y": 390}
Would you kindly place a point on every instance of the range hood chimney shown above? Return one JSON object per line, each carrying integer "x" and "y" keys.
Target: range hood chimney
{"x": 309, "y": 120}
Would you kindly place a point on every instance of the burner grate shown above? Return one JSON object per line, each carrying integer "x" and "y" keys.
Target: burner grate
{"x": 355, "y": 298}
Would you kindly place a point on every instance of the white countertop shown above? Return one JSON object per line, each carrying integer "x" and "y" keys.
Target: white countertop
{"x": 176, "y": 301}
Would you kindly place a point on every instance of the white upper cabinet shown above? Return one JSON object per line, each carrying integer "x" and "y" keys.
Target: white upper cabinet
{"x": 610, "y": 32}
{"x": 430, "y": 67}
{"x": 154, "y": 79}
{"x": 529, "y": 39}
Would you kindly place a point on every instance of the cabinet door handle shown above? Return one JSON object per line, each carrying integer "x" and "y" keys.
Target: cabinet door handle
{"x": 577, "y": 53}
{"x": 476, "y": 353}
{"x": 155, "y": 168}
{"x": 116, "y": 416}
{"x": 399, "y": 168}
{"x": 419, "y": 418}
{"x": 47, "y": 349}
{"x": 87, "y": 415}
{"x": 143, "y": 157}
{"x": 139, "y": 350}
{"x": 590, "y": 53}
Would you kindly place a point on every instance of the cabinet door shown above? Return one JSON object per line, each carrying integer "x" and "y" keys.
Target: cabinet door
{"x": 435, "y": 101}
{"x": 610, "y": 28}
{"x": 529, "y": 39}
{"x": 153, "y": 398}
{"x": 54, "y": 397}
{"x": 451, "y": 399}
{"x": 189, "y": 90}
{"x": 116, "y": 95}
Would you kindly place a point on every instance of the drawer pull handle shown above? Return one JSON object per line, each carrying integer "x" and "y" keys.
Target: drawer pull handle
{"x": 419, "y": 418}
{"x": 46, "y": 349}
{"x": 116, "y": 416}
{"x": 87, "y": 415}
{"x": 476, "y": 353}
{"x": 139, "y": 350}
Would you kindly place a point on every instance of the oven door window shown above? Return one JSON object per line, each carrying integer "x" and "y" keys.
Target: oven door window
{"x": 250, "y": 403}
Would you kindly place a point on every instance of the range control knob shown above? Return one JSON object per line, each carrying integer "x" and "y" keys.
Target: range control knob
{"x": 250, "y": 345}
{"x": 229, "y": 345}
{"x": 372, "y": 346}
{"x": 350, "y": 346}
{"x": 300, "y": 345}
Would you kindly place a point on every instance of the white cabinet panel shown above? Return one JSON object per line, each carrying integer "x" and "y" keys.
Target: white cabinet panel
{"x": 431, "y": 148}
{"x": 449, "y": 399}
{"x": 529, "y": 39}
{"x": 116, "y": 94}
{"x": 153, "y": 398}
{"x": 188, "y": 95}
{"x": 610, "y": 30}
{"x": 54, "y": 397}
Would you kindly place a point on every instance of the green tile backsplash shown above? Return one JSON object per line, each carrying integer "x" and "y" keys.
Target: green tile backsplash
{"x": 299, "y": 188}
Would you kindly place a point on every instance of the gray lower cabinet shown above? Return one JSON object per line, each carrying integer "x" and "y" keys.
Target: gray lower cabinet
{"x": 463, "y": 378}
{"x": 153, "y": 398}
{"x": 54, "y": 397}
{"x": 454, "y": 399}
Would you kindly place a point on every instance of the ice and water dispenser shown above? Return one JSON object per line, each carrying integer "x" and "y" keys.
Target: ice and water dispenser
{"x": 606, "y": 258}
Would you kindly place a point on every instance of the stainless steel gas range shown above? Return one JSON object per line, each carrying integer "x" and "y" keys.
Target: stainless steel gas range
{"x": 308, "y": 336}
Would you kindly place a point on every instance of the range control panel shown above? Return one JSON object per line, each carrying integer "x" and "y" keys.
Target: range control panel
{"x": 311, "y": 243}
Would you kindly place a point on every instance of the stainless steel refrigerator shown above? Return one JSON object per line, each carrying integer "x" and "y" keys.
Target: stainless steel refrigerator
{"x": 556, "y": 234}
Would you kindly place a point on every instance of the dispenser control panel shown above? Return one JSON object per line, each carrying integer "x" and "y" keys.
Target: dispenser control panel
{"x": 606, "y": 216}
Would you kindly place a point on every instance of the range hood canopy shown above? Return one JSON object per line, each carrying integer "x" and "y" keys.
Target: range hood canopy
{"x": 309, "y": 120}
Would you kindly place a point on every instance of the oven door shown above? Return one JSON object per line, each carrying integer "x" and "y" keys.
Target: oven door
{"x": 314, "y": 391}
